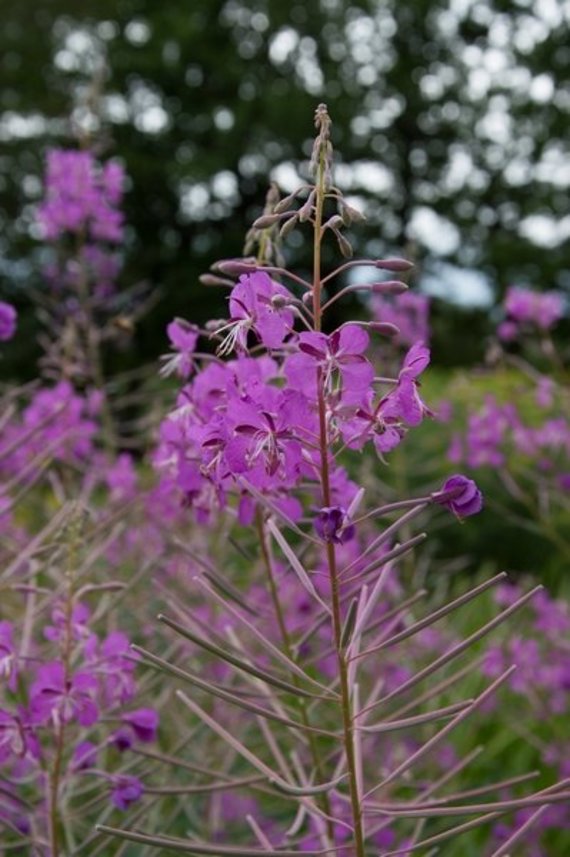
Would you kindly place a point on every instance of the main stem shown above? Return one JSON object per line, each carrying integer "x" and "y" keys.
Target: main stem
{"x": 55, "y": 775}
{"x": 348, "y": 733}
{"x": 291, "y": 655}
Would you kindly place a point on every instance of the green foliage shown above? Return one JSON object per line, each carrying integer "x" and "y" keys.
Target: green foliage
{"x": 202, "y": 100}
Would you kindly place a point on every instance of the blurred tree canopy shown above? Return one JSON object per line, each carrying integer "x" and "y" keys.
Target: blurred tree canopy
{"x": 451, "y": 117}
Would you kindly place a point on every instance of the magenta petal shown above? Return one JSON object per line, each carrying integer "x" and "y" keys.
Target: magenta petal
{"x": 410, "y": 403}
{"x": 388, "y": 440}
{"x": 416, "y": 360}
{"x": 353, "y": 339}
{"x": 356, "y": 375}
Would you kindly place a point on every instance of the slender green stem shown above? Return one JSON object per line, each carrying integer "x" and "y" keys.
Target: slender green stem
{"x": 93, "y": 350}
{"x": 331, "y": 554}
{"x": 291, "y": 655}
{"x": 54, "y": 813}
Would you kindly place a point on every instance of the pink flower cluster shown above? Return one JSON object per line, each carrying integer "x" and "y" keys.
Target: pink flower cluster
{"x": 76, "y": 707}
{"x": 527, "y": 309}
{"x": 497, "y": 431}
{"x": 82, "y": 197}
{"x": 253, "y": 422}
{"x": 409, "y": 312}
{"x": 57, "y": 422}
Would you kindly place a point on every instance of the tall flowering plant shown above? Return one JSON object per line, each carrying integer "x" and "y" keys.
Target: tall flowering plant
{"x": 525, "y": 439}
{"x": 261, "y": 432}
{"x": 69, "y": 713}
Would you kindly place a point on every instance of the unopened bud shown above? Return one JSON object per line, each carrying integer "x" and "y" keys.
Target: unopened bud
{"x": 307, "y": 208}
{"x": 235, "y": 267}
{"x": 288, "y": 226}
{"x": 351, "y": 215}
{"x": 212, "y": 280}
{"x": 308, "y": 298}
{"x": 279, "y": 301}
{"x": 285, "y": 203}
{"x": 344, "y": 245}
{"x": 389, "y": 287}
{"x": 384, "y": 328}
{"x": 267, "y": 220}
{"x": 396, "y": 265}
{"x": 334, "y": 222}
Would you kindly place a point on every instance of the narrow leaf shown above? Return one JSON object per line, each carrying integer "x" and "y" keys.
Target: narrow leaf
{"x": 224, "y": 694}
{"x": 233, "y": 659}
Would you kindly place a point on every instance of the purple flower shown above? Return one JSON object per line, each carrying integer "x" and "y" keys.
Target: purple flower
{"x": 460, "y": 495}
{"x": 80, "y": 196}
{"x": 17, "y": 735}
{"x": 332, "y": 526}
{"x": 409, "y": 312}
{"x": 266, "y": 434}
{"x": 84, "y": 756}
{"x": 259, "y": 304}
{"x": 126, "y": 790}
{"x": 8, "y": 318}
{"x": 143, "y": 722}
{"x": 55, "y": 696}
{"x": 342, "y": 351}
{"x": 122, "y": 739}
{"x": 183, "y": 338}
{"x": 525, "y": 307}
{"x": 121, "y": 477}
{"x": 405, "y": 400}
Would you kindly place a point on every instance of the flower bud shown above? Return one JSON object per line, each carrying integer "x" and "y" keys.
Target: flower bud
{"x": 389, "y": 287}
{"x": 332, "y": 525}
{"x": 396, "y": 265}
{"x": 460, "y": 495}
{"x": 279, "y": 301}
{"x": 306, "y": 209}
{"x": 267, "y": 220}
{"x": 212, "y": 280}
{"x": 235, "y": 267}
{"x": 285, "y": 203}
{"x": 345, "y": 246}
{"x": 351, "y": 215}
{"x": 334, "y": 222}
{"x": 288, "y": 226}
{"x": 384, "y": 328}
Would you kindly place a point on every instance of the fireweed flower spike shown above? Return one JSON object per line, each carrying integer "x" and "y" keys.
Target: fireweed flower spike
{"x": 256, "y": 444}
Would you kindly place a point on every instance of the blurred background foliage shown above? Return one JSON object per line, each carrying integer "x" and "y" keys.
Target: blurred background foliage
{"x": 451, "y": 117}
